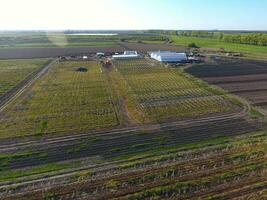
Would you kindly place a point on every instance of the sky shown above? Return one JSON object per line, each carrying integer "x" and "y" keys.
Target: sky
{"x": 133, "y": 14}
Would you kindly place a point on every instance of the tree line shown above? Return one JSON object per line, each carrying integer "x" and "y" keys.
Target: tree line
{"x": 240, "y": 38}
{"x": 245, "y": 38}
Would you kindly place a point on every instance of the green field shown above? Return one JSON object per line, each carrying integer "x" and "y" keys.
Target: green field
{"x": 251, "y": 51}
{"x": 63, "y": 101}
{"x": 14, "y": 71}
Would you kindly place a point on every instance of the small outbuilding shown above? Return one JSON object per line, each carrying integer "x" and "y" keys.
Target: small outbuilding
{"x": 168, "y": 56}
{"x": 126, "y": 55}
{"x": 100, "y": 54}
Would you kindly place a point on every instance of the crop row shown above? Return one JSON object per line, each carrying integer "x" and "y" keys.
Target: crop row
{"x": 199, "y": 171}
{"x": 111, "y": 147}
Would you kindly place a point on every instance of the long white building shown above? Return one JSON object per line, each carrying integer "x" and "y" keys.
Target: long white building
{"x": 127, "y": 55}
{"x": 168, "y": 56}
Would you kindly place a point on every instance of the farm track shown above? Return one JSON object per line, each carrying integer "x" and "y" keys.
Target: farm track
{"x": 17, "y": 91}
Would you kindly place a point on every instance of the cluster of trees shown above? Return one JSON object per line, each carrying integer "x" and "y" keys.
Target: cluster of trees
{"x": 240, "y": 38}
{"x": 204, "y": 34}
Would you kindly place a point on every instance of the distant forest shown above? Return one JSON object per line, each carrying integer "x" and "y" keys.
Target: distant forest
{"x": 256, "y": 38}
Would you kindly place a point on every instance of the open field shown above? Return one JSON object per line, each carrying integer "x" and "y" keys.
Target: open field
{"x": 250, "y": 51}
{"x": 65, "y": 100}
{"x": 247, "y": 79}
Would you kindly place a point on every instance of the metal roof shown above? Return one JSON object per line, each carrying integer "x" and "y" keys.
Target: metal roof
{"x": 168, "y": 56}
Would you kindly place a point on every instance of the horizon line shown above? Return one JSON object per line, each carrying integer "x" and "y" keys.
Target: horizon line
{"x": 61, "y": 30}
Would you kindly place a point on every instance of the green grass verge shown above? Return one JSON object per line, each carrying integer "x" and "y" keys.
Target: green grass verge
{"x": 10, "y": 175}
{"x": 251, "y": 51}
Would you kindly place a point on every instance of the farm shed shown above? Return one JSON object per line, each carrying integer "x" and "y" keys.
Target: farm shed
{"x": 127, "y": 55}
{"x": 168, "y": 56}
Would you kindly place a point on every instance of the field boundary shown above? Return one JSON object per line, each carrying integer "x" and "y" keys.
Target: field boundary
{"x": 149, "y": 127}
{"x": 19, "y": 89}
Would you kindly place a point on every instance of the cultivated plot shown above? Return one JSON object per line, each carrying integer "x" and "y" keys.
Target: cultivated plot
{"x": 222, "y": 168}
{"x": 246, "y": 78}
{"x": 73, "y": 97}
{"x": 164, "y": 94}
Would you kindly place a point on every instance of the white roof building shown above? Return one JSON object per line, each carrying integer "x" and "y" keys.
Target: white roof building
{"x": 100, "y": 54}
{"x": 168, "y": 56}
{"x": 85, "y": 57}
{"x": 127, "y": 55}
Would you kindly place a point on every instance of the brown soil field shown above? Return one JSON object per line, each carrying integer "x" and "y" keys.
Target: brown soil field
{"x": 144, "y": 48}
{"x": 16, "y": 53}
{"x": 245, "y": 78}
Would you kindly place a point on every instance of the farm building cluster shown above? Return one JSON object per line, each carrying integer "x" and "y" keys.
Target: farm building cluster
{"x": 160, "y": 56}
{"x": 126, "y": 55}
